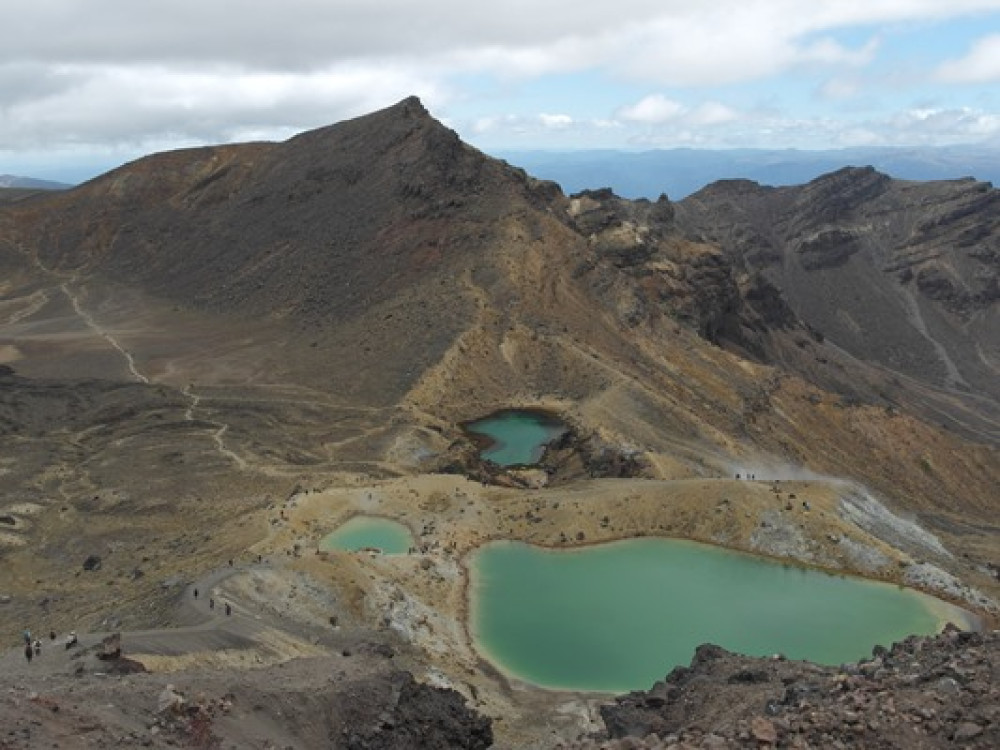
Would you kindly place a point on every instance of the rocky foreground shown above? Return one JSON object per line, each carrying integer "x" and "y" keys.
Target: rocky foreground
{"x": 925, "y": 692}
{"x": 357, "y": 699}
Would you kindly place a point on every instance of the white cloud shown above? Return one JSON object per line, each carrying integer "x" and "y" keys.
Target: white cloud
{"x": 931, "y": 124}
{"x": 858, "y": 136}
{"x": 916, "y": 126}
{"x": 153, "y": 104}
{"x": 980, "y": 65}
{"x": 739, "y": 43}
{"x": 657, "y": 109}
{"x": 712, "y": 113}
{"x": 839, "y": 88}
{"x": 109, "y": 71}
{"x": 829, "y": 52}
{"x": 556, "y": 122}
{"x": 652, "y": 109}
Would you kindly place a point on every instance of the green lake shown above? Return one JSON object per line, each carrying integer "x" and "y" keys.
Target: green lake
{"x": 370, "y": 531}
{"x": 619, "y": 616}
{"x": 515, "y": 437}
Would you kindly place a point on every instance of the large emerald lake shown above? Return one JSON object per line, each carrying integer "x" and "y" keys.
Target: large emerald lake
{"x": 515, "y": 437}
{"x": 619, "y": 616}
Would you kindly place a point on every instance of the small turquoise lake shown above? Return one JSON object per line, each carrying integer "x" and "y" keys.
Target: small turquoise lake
{"x": 515, "y": 437}
{"x": 372, "y": 532}
{"x": 619, "y": 616}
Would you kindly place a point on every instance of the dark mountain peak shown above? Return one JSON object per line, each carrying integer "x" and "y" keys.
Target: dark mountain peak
{"x": 411, "y": 106}
{"x": 729, "y": 188}
{"x": 398, "y": 152}
{"x": 389, "y": 124}
{"x": 849, "y": 173}
{"x": 834, "y": 196}
{"x": 862, "y": 182}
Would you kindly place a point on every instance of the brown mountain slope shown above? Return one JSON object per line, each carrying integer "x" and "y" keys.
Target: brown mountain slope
{"x": 321, "y": 231}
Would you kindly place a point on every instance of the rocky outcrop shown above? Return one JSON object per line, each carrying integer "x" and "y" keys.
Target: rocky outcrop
{"x": 415, "y": 715}
{"x": 828, "y": 249}
{"x": 642, "y": 266}
{"x": 921, "y": 693}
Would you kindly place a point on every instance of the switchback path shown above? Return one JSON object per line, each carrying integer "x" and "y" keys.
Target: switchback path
{"x": 205, "y": 630}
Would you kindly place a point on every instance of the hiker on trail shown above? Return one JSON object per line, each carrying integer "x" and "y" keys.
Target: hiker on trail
{"x": 211, "y": 603}
{"x": 27, "y": 636}
{"x": 196, "y": 593}
{"x": 52, "y": 635}
{"x": 229, "y": 610}
{"x": 28, "y": 653}
{"x": 38, "y": 647}
{"x": 71, "y": 639}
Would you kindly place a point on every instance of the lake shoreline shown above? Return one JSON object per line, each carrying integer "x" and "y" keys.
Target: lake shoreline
{"x": 926, "y": 614}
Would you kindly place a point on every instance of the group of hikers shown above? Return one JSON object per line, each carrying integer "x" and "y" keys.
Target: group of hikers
{"x": 33, "y": 646}
{"x": 211, "y": 603}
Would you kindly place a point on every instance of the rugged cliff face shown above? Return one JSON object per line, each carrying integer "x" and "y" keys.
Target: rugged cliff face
{"x": 899, "y": 274}
{"x": 660, "y": 276}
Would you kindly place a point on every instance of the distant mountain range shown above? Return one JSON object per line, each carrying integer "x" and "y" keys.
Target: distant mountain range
{"x": 30, "y": 183}
{"x": 680, "y": 172}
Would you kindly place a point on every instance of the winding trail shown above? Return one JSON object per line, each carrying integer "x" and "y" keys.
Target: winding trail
{"x": 103, "y": 333}
{"x": 220, "y": 427}
{"x": 35, "y": 302}
{"x": 221, "y": 446}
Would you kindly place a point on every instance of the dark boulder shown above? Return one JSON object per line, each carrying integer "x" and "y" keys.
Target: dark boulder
{"x": 111, "y": 647}
{"x": 419, "y": 716}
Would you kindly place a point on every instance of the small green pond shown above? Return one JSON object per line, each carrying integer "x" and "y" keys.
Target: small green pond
{"x": 619, "y": 616}
{"x": 515, "y": 437}
{"x": 369, "y": 531}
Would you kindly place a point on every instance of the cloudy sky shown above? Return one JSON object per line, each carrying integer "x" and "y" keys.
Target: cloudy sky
{"x": 88, "y": 84}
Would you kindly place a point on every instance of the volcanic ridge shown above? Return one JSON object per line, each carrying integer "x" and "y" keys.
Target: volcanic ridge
{"x": 211, "y": 358}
